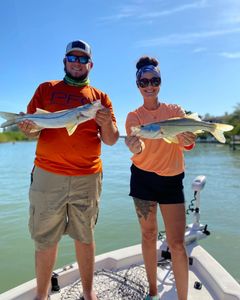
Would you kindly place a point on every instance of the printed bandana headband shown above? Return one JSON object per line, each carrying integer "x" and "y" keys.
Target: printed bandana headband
{"x": 148, "y": 68}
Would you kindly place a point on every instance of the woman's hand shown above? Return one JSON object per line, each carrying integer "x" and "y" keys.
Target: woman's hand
{"x": 135, "y": 144}
{"x": 188, "y": 138}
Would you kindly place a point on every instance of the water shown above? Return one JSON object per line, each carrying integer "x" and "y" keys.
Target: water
{"x": 117, "y": 226}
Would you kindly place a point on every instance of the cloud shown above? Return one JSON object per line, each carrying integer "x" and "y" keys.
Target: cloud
{"x": 218, "y": 11}
{"x": 198, "y": 50}
{"x": 230, "y": 55}
{"x": 232, "y": 18}
{"x": 174, "y": 10}
{"x": 137, "y": 10}
{"x": 186, "y": 38}
{"x": 230, "y": 11}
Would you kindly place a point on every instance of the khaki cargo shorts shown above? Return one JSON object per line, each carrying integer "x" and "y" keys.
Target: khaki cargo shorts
{"x": 63, "y": 205}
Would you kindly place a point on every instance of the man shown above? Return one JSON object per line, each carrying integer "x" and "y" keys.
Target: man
{"x": 67, "y": 174}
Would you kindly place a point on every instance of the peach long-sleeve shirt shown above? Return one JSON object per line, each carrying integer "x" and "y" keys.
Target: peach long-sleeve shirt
{"x": 158, "y": 156}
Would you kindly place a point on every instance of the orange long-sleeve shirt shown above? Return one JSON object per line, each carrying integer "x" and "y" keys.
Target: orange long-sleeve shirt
{"x": 158, "y": 156}
{"x": 57, "y": 152}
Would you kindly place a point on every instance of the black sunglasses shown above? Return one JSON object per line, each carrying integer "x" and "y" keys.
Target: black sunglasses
{"x": 81, "y": 59}
{"x": 144, "y": 82}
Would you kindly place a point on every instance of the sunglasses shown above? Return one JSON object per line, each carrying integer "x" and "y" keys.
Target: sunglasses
{"x": 144, "y": 82}
{"x": 81, "y": 59}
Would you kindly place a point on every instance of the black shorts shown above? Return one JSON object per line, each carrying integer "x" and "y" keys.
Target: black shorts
{"x": 153, "y": 187}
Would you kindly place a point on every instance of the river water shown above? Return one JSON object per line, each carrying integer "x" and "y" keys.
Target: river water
{"x": 117, "y": 225}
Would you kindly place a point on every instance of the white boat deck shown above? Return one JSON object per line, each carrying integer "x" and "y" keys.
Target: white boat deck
{"x": 132, "y": 284}
{"x": 121, "y": 275}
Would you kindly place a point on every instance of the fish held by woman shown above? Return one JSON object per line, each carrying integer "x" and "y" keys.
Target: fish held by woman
{"x": 69, "y": 118}
{"x": 170, "y": 128}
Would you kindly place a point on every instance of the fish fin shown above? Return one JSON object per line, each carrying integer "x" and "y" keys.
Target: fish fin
{"x": 224, "y": 127}
{"x": 218, "y": 131}
{"x": 193, "y": 116}
{"x": 10, "y": 117}
{"x": 198, "y": 131}
{"x": 36, "y": 129}
{"x": 218, "y": 134}
{"x": 41, "y": 111}
{"x": 167, "y": 140}
{"x": 8, "y": 123}
{"x": 171, "y": 139}
{"x": 71, "y": 128}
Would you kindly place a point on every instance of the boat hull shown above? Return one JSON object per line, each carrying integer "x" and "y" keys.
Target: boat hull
{"x": 113, "y": 269}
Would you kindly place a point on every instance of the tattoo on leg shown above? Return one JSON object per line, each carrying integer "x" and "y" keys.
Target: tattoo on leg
{"x": 143, "y": 207}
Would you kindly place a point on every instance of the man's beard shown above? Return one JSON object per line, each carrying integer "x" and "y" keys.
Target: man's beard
{"x": 82, "y": 77}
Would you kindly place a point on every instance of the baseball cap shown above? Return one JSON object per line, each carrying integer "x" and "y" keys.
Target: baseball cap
{"x": 79, "y": 46}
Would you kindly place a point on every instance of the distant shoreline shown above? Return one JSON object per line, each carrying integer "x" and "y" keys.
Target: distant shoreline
{"x": 13, "y": 136}
{"x": 17, "y": 136}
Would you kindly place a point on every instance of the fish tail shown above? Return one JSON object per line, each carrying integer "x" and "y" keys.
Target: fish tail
{"x": 218, "y": 131}
{"x": 10, "y": 117}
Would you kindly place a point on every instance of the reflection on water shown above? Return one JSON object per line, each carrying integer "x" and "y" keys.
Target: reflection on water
{"x": 117, "y": 226}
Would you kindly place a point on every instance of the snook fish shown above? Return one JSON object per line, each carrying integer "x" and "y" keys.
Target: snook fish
{"x": 168, "y": 129}
{"x": 69, "y": 118}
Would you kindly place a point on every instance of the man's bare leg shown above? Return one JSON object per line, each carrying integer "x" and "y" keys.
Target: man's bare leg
{"x": 85, "y": 254}
{"x": 44, "y": 264}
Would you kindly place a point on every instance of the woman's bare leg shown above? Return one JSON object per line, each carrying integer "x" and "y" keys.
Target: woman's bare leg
{"x": 147, "y": 216}
{"x": 174, "y": 218}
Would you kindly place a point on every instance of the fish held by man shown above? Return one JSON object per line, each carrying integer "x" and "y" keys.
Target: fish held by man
{"x": 170, "y": 128}
{"x": 69, "y": 118}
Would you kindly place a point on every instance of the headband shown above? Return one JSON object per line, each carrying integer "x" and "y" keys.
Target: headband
{"x": 148, "y": 68}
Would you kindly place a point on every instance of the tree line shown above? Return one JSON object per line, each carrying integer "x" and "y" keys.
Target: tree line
{"x": 231, "y": 119}
{"x": 13, "y": 134}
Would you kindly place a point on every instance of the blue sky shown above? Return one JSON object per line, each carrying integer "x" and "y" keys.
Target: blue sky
{"x": 196, "y": 41}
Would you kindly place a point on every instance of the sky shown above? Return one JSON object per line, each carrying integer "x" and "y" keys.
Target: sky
{"x": 197, "y": 43}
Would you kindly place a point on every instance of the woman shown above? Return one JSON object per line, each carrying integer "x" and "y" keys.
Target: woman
{"x": 157, "y": 172}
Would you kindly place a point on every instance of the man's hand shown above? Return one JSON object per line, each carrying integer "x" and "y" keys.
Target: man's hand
{"x": 103, "y": 117}
{"x": 29, "y": 128}
{"x": 108, "y": 130}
